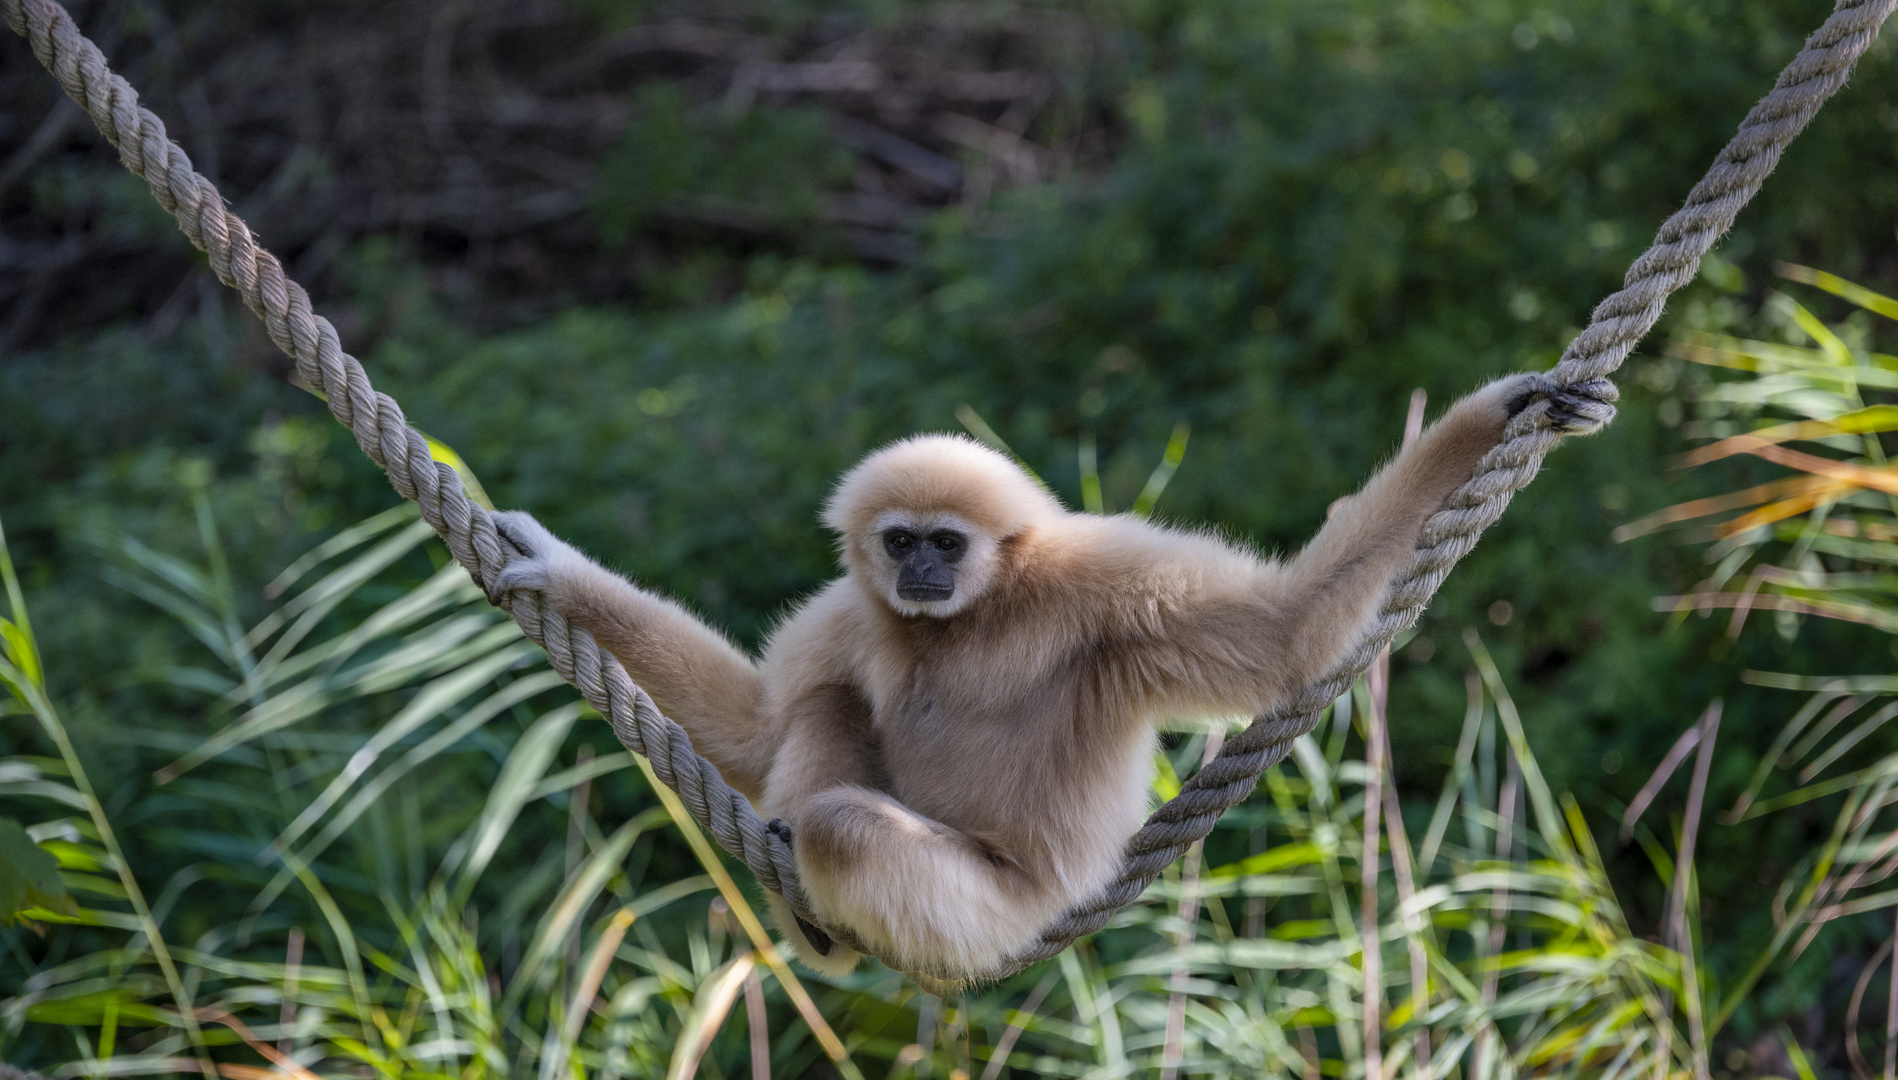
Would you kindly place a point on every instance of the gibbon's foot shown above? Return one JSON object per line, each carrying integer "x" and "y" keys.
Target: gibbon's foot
{"x": 834, "y": 961}
{"x": 819, "y": 940}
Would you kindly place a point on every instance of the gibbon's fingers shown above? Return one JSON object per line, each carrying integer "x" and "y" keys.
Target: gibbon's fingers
{"x": 1520, "y": 390}
{"x": 529, "y": 575}
{"x": 694, "y": 674}
{"x": 541, "y": 551}
{"x": 1572, "y": 409}
{"x": 521, "y": 529}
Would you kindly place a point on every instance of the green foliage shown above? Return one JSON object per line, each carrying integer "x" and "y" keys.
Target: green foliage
{"x": 1519, "y": 953}
{"x": 119, "y": 204}
{"x": 318, "y": 748}
{"x": 29, "y": 876}
{"x": 1310, "y": 209}
{"x": 1810, "y": 540}
{"x": 738, "y": 166}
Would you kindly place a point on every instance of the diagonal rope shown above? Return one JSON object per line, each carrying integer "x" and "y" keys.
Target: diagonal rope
{"x": 381, "y": 430}
{"x": 1578, "y": 385}
{"x": 1618, "y": 323}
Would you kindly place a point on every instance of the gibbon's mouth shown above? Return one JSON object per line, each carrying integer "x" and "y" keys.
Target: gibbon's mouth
{"x": 925, "y": 592}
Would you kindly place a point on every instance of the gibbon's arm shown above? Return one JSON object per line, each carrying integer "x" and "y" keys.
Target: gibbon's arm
{"x": 828, "y": 742}
{"x": 1241, "y": 638}
{"x": 693, "y": 673}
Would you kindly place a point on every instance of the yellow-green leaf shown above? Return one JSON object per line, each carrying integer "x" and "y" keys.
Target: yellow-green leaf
{"x": 29, "y": 876}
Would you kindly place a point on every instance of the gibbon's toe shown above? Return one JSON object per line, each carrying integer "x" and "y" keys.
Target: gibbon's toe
{"x": 838, "y": 962}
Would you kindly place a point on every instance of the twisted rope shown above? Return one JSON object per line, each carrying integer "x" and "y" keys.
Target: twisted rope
{"x": 383, "y": 433}
{"x": 1577, "y": 398}
{"x": 1579, "y": 381}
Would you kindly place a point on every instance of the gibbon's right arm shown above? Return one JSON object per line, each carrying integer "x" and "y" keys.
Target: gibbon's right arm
{"x": 694, "y": 674}
{"x": 1244, "y": 638}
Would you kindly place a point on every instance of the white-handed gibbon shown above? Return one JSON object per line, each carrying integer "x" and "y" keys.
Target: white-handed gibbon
{"x": 959, "y": 731}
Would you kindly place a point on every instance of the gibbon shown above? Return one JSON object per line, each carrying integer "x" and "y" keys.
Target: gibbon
{"x": 958, "y": 733}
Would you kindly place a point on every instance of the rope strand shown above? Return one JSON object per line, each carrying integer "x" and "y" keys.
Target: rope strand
{"x": 1579, "y": 398}
{"x": 1581, "y": 377}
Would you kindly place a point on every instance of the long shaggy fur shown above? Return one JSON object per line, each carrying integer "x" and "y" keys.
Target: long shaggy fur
{"x": 957, "y": 772}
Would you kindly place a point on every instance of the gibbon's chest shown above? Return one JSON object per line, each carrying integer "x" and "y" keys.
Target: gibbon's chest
{"x": 991, "y": 740}
{"x": 961, "y": 693}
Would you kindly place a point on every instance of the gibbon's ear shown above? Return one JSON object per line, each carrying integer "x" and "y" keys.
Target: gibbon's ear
{"x": 947, "y": 474}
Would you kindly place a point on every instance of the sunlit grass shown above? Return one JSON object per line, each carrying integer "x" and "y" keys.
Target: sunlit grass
{"x": 1501, "y": 946}
{"x": 1817, "y": 541}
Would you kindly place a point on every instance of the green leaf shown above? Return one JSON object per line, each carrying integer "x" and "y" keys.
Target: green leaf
{"x": 29, "y": 876}
{"x": 1838, "y": 286}
{"x": 1283, "y": 857}
{"x": 1163, "y": 472}
{"x": 16, "y": 635}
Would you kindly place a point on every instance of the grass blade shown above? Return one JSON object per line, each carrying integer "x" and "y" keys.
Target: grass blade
{"x": 748, "y": 919}
{"x": 710, "y": 1006}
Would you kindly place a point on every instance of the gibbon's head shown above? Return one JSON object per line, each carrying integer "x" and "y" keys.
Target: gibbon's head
{"x": 923, "y": 520}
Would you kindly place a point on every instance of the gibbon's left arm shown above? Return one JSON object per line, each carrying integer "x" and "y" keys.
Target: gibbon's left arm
{"x": 695, "y": 676}
{"x": 1244, "y": 641}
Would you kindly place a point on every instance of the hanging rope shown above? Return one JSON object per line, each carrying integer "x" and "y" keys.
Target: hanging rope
{"x": 1616, "y": 326}
{"x": 1579, "y": 380}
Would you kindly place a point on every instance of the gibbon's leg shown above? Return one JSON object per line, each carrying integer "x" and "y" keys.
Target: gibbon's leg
{"x": 919, "y": 892}
{"x": 1334, "y": 587}
{"x": 693, "y": 673}
{"x": 828, "y": 740}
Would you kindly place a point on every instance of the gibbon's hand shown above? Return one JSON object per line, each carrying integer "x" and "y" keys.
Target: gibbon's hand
{"x": 779, "y": 828}
{"x": 693, "y": 673}
{"x": 544, "y": 556}
{"x": 1571, "y": 408}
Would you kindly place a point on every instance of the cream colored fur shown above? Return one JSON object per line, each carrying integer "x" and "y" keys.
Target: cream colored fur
{"x": 957, "y": 772}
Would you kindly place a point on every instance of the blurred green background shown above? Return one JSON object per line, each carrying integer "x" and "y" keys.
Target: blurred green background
{"x": 660, "y": 271}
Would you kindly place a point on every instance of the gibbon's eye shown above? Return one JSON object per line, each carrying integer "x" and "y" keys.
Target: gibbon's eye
{"x": 947, "y": 542}
{"x": 899, "y": 543}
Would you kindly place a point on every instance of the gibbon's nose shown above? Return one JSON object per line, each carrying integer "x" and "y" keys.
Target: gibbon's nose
{"x": 926, "y": 576}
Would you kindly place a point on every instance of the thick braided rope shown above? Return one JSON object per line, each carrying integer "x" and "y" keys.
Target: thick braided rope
{"x": 380, "y": 429}
{"x": 1618, "y": 323}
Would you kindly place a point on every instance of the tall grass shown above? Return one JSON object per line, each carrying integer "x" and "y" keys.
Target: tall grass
{"x": 1247, "y": 960}
{"x": 1817, "y": 539}
{"x": 388, "y": 854}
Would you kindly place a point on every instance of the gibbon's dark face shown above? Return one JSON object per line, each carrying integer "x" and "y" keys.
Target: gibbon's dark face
{"x": 925, "y": 561}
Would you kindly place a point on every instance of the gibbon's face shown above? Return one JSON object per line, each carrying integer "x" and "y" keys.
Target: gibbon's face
{"x": 929, "y": 564}
{"x": 924, "y": 522}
